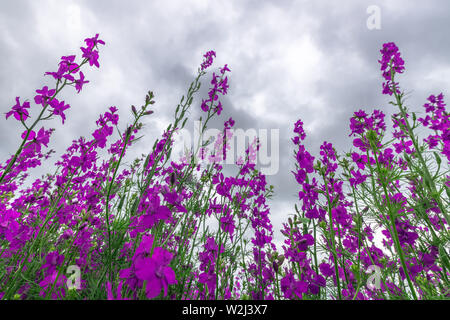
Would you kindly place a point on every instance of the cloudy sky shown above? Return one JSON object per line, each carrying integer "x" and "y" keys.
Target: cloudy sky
{"x": 289, "y": 60}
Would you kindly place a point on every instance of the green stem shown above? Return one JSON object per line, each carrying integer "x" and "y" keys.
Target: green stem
{"x": 336, "y": 261}
{"x": 393, "y": 226}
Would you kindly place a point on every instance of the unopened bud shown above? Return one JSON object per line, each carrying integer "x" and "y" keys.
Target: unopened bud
{"x": 275, "y": 266}
{"x": 280, "y": 260}
{"x": 323, "y": 224}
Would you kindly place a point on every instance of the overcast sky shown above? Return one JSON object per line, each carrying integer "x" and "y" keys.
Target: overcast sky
{"x": 313, "y": 60}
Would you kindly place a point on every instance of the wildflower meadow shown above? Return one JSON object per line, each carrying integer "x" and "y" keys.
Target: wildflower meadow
{"x": 370, "y": 223}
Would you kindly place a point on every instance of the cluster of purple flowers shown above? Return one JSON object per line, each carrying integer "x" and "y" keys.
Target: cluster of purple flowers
{"x": 438, "y": 120}
{"x": 220, "y": 85}
{"x": 391, "y": 63}
{"x": 147, "y": 231}
{"x": 347, "y": 237}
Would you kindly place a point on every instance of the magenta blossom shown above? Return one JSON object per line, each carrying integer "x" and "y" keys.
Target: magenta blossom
{"x": 208, "y": 59}
{"x": 391, "y": 61}
{"x": 156, "y": 271}
{"x": 92, "y": 42}
{"x": 19, "y": 111}
{"x": 80, "y": 82}
{"x": 44, "y": 95}
{"x": 59, "y": 108}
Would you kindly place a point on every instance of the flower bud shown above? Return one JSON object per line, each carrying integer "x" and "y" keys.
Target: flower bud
{"x": 323, "y": 224}
{"x": 290, "y": 221}
{"x": 280, "y": 260}
{"x": 275, "y": 266}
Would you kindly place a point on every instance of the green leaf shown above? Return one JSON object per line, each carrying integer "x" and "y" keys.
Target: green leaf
{"x": 146, "y": 161}
{"x": 444, "y": 257}
{"x": 303, "y": 220}
{"x": 135, "y": 205}
{"x": 207, "y": 142}
{"x": 121, "y": 203}
{"x": 184, "y": 123}
{"x": 169, "y": 152}
{"x": 335, "y": 200}
{"x": 438, "y": 158}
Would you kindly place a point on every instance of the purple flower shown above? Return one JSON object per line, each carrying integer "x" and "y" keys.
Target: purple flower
{"x": 304, "y": 242}
{"x": 92, "y": 42}
{"x": 405, "y": 232}
{"x": 227, "y": 224}
{"x": 208, "y": 60}
{"x": 131, "y": 280}
{"x": 403, "y": 146}
{"x": 101, "y": 135}
{"x": 293, "y": 288}
{"x": 153, "y": 211}
{"x": 43, "y": 95}
{"x": 326, "y": 269}
{"x": 80, "y": 82}
{"x": 391, "y": 61}
{"x": 42, "y": 138}
{"x": 317, "y": 282}
{"x": 156, "y": 271}
{"x": 66, "y": 67}
{"x": 19, "y": 111}
{"x": 92, "y": 56}
{"x": 357, "y": 178}
{"x": 437, "y": 119}
{"x": 224, "y": 69}
{"x": 210, "y": 279}
{"x": 48, "y": 282}
{"x": 219, "y": 86}
{"x": 53, "y": 259}
{"x": 305, "y": 160}
{"x": 59, "y": 108}
{"x": 359, "y": 160}
{"x": 204, "y": 106}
